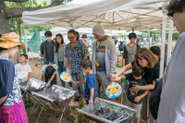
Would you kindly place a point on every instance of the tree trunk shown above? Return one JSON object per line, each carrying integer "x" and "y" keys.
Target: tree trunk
{"x": 4, "y": 23}
{"x": 6, "y": 13}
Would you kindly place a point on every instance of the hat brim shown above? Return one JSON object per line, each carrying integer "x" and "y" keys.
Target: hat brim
{"x": 11, "y": 45}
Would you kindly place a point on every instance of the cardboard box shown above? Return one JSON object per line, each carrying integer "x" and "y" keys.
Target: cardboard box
{"x": 76, "y": 118}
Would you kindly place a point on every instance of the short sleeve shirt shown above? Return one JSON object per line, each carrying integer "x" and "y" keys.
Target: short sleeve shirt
{"x": 90, "y": 83}
{"x": 151, "y": 74}
{"x": 9, "y": 82}
{"x": 132, "y": 81}
{"x": 19, "y": 68}
{"x": 50, "y": 51}
{"x": 75, "y": 55}
{"x": 43, "y": 70}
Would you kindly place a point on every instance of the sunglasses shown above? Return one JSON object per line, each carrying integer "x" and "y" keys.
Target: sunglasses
{"x": 176, "y": 5}
{"x": 170, "y": 14}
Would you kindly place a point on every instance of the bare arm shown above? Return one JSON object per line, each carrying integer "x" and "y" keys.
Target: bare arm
{"x": 85, "y": 57}
{"x": 29, "y": 75}
{"x": 53, "y": 76}
{"x": 91, "y": 95}
{"x": 136, "y": 88}
{"x": 124, "y": 69}
{"x": 3, "y": 99}
{"x": 148, "y": 87}
{"x": 43, "y": 78}
{"x": 79, "y": 82}
{"x": 144, "y": 94}
{"x": 67, "y": 63}
{"x": 138, "y": 98}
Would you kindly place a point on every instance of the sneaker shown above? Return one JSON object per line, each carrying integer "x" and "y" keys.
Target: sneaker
{"x": 28, "y": 103}
{"x": 25, "y": 103}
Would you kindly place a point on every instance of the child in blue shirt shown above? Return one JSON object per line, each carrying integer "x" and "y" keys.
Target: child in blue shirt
{"x": 90, "y": 83}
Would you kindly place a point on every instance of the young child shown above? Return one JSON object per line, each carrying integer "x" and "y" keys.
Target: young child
{"x": 23, "y": 66}
{"x": 90, "y": 84}
{"x": 48, "y": 73}
{"x": 135, "y": 99}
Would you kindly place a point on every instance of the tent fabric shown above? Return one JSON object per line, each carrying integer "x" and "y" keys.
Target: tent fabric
{"x": 114, "y": 14}
{"x": 34, "y": 43}
{"x": 62, "y": 30}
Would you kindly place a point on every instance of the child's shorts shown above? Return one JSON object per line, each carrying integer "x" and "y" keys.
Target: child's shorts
{"x": 138, "y": 107}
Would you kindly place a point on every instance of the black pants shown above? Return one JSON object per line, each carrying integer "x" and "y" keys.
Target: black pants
{"x": 53, "y": 81}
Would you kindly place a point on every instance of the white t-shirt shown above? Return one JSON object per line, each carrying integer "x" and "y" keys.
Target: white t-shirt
{"x": 19, "y": 68}
{"x": 44, "y": 69}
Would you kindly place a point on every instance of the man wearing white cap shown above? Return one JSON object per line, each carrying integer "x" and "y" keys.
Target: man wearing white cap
{"x": 104, "y": 58}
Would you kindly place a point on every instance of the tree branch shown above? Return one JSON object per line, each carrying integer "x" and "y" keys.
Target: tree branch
{"x": 17, "y": 12}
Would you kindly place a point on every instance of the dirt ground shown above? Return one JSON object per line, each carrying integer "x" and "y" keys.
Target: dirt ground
{"x": 46, "y": 114}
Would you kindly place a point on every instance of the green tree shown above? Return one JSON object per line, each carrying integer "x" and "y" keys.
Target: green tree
{"x": 11, "y": 13}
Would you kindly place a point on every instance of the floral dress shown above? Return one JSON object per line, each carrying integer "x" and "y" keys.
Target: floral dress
{"x": 12, "y": 109}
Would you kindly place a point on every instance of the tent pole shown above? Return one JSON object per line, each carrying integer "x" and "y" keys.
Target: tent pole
{"x": 163, "y": 40}
{"x": 25, "y": 35}
{"x": 169, "y": 39}
{"x": 149, "y": 39}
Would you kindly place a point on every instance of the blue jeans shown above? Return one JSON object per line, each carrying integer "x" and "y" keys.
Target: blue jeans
{"x": 60, "y": 70}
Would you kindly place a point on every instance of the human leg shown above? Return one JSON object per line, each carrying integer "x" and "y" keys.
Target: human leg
{"x": 98, "y": 85}
{"x": 75, "y": 87}
{"x": 104, "y": 81}
{"x": 138, "y": 107}
{"x": 60, "y": 70}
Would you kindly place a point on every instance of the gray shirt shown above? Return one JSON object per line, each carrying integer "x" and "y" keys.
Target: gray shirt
{"x": 131, "y": 52}
{"x": 50, "y": 52}
{"x": 61, "y": 54}
{"x": 110, "y": 57}
{"x": 172, "y": 104}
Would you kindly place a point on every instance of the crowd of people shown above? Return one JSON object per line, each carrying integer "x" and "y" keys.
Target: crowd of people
{"x": 91, "y": 73}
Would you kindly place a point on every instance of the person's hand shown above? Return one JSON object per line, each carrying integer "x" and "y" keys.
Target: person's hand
{"x": 115, "y": 78}
{"x": 90, "y": 101}
{"x": 67, "y": 70}
{"x": 69, "y": 67}
{"x": 110, "y": 77}
{"x": 77, "y": 83}
{"x": 135, "y": 88}
{"x": 137, "y": 99}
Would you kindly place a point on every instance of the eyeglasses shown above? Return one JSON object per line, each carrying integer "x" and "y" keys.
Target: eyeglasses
{"x": 71, "y": 38}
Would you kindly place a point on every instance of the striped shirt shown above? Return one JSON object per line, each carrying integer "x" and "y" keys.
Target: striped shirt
{"x": 172, "y": 104}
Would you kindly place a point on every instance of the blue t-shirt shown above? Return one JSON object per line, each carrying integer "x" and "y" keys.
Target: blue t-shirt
{"x": 90, "y": 83}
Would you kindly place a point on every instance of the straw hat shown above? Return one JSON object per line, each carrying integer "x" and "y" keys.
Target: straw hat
{"x": 10, "y": 40}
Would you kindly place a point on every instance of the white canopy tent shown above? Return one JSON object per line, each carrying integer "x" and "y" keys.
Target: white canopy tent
{"x": 62, "y": 30}
{"x": 114, "y": 15}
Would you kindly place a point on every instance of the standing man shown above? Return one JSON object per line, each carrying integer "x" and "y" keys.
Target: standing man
{"x": 172, "y": 99}
{"x": 84, "y": 40}
{"x": 75, "y": 52}
{"x": 115, "y": 41}
{"x": 47, "y": 48}
{"x": 103, "y": 58}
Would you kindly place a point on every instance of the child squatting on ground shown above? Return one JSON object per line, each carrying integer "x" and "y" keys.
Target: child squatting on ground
{"x": 23, "y": 66}
{"x": 48, "y": 74}
{"x": 90, "y": 83}
{"x": 135, "y": 99}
